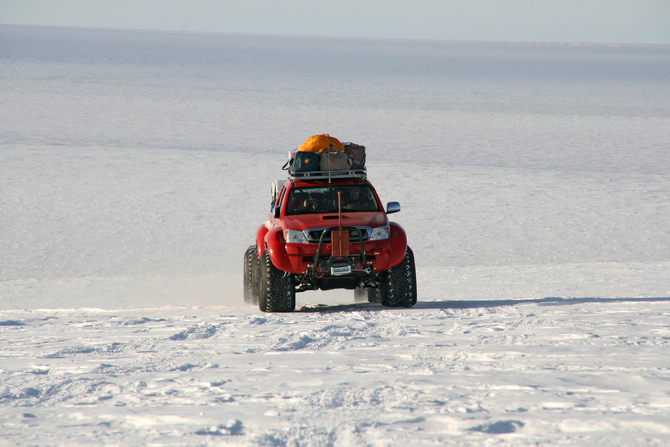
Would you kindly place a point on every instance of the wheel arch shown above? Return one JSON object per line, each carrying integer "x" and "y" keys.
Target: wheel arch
{"x": 275, "y": 245}
{"x": 398, "y": 244}
{"x": 260, "y": 238}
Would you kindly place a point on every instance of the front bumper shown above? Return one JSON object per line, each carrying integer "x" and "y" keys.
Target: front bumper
{"x": 312, "y": 264}
{"x": 315, "y": 258}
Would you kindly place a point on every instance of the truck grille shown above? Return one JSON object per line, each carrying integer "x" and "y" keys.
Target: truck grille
{"x": 314, "y": 236}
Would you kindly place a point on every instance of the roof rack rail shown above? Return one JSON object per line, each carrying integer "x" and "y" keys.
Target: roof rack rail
{"x": 360, "y": 173}
{"x": 327, "y": 175}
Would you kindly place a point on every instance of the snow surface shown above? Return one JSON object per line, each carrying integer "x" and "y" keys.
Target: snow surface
{"x": 136, "y": 166}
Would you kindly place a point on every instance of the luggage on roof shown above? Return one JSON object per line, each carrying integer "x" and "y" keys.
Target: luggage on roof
{"x": 334, "y": 160}
{"x": 357, "y": 154}
{"x": 318, "y": 143}
{"x": 305, "y": 162}
{"x": 325, "y": 157}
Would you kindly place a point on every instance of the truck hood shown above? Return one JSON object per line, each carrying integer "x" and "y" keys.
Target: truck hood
{"x": 305, "y": 221}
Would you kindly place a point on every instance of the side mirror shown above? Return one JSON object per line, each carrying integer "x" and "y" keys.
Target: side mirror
{"x": 392, "y": 207}
{"x": 276, "y": 211}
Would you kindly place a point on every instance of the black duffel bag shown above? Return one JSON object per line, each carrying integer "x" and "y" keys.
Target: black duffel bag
{"x": 305, "y": 162}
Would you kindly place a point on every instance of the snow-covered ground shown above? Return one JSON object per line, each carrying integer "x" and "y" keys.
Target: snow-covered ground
{"x": 136, "y": 166}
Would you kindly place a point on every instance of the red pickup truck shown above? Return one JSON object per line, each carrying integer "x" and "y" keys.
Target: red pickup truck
{"x": 329, "y": 231}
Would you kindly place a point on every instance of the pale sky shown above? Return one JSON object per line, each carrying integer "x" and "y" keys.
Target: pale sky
{"x": 540, "y": 20}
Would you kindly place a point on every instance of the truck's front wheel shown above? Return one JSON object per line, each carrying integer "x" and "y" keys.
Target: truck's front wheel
{"x": 277, "y": 289}
{"x": 398, "y": 284}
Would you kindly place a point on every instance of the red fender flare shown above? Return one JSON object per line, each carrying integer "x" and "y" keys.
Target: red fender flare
{"x": 260, "y": 238}
{"x": 398, "y": 244}
{"x": 276, "y": 245}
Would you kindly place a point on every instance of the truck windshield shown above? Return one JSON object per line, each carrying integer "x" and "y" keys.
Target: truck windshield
{"x": 323, "y": 199}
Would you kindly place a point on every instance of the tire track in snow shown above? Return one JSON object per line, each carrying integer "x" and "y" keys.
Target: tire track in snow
{"x": 365, "y": 375}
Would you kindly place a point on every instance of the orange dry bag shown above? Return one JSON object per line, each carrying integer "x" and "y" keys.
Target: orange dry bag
{"x": 318, "y": 143}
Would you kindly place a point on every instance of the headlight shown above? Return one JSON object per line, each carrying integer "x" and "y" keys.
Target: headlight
{"x": 380, "y": 233}
{"x": 294, "y": 237}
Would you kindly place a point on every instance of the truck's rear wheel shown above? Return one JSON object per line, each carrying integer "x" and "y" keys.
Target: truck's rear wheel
{"x": 360, "y": 294}
{"x": 251, "y": 275}
{"x": 363, "y": 294}
{"x": 277, "y": 289}
{"x": 374, "y": 296}
{"x": 398, "y": 285}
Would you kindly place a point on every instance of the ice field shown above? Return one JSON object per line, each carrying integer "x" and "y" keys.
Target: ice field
{"x": 136, "y": 166}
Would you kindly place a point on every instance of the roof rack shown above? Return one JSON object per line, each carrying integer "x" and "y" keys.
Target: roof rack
{"x": 360, "y": 173}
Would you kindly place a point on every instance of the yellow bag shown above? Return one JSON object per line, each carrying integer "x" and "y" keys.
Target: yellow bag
{"x": 318, "y": 143}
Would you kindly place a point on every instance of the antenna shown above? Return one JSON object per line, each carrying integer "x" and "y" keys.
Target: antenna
{"x": 339, "y": 207}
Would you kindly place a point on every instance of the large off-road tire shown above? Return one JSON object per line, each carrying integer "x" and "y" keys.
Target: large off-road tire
{"x": 256, "y": 275}
{"x": 398, "y": 284}
{"x": 374, "y": 296}
{"x": 277, "y": 289}
{"x": 370, "y": 295}
{"x": 251, "y": 272}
